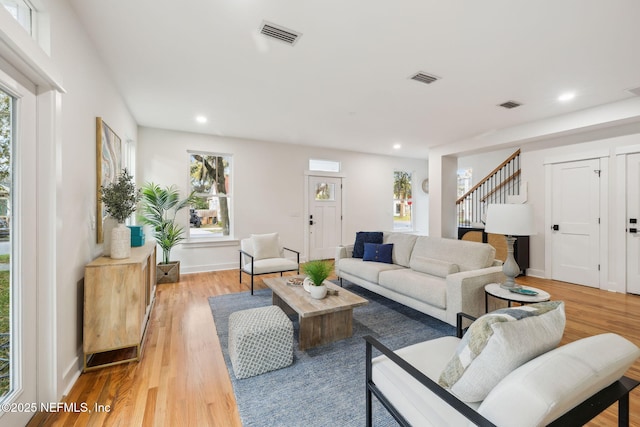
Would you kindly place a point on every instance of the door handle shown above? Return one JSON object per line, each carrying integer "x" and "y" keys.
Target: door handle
{"x": 555, "y": 227}
{"x": 633, "y": 230}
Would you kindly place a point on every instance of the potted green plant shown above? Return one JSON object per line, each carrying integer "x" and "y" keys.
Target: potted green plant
{"x": 317, "y": 271}
{"x": 159, "y": 208}
{"x": 120, "y": 199}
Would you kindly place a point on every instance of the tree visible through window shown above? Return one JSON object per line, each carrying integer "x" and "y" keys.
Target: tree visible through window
{"x": 210, "y": 178}
{"x": 402, "y": 202}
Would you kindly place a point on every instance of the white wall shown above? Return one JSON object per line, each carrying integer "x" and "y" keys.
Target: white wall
{"x": 268, "y": 189}
{"x": 90, "y": 93}
{"x": 483, "y": 164}
{"x": 533, "y": 172}
{"x": 533, "y": 159}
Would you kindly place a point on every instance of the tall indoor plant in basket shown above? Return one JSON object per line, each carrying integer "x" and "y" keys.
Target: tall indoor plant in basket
{"x": 159, "y": 208}
{"x": 120, "y": 199}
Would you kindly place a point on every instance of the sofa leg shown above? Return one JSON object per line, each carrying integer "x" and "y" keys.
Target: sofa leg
{"x": 252, "y": 284}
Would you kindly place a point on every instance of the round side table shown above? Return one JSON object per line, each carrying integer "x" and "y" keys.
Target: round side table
{"x": 496, "y": 291}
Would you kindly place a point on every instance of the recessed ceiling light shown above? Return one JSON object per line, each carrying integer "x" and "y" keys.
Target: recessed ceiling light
{"x": 567, "y": 96}
{"x": 397, "y": 146}
{"x": 201, "y": 119}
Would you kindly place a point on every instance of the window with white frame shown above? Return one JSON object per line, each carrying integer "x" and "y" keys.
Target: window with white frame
{"x": 21, "y": 12}
{"x": 319, "y": 165}
{"x": 402, "y": 201}
{"x": 210, "y": 178}
{"x": 464, "y": 181}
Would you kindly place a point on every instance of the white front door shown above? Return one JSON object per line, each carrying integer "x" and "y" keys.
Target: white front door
{"x": 18, "y": 246}
{"x": 633, "y": 223}
{"x": 575, "y": 217}
{"x": 325, "y": 216}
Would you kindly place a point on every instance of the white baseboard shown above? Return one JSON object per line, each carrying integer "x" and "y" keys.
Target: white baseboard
{"x": 536, "y": 273}
{"x": 208, "y": 267}
{"x": 71, "y": 375}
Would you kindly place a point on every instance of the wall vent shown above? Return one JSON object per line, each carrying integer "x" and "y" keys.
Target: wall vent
{"x": 509, "y": 104}
{"x": 279, "y": 33}
{"x": 424, "y": 77}
{"x": 635, "y": 91}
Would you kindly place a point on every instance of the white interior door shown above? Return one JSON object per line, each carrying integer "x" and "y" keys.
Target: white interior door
{"x": 575, "y": 216}
{"x": 633, "y": 223}
{"x": 325, "y": 216}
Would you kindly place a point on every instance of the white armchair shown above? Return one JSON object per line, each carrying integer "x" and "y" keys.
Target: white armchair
{"x": 264, "y": 254}
{"x": 566, "y": 386}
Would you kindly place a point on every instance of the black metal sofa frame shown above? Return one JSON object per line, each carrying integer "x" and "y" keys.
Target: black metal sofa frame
{"x": 578, "y": 416}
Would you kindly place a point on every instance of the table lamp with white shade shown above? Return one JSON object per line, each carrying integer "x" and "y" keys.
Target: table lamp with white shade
{"x": 512, "y": 220}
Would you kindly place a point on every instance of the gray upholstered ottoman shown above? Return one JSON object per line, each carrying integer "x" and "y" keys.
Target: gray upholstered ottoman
{"x": 260, "y": 340}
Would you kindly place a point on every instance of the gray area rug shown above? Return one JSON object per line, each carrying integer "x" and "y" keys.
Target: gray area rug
{"x": 325, "y": 386}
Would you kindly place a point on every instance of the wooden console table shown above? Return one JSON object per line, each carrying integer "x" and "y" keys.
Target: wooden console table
{"x": 118, "y": 297}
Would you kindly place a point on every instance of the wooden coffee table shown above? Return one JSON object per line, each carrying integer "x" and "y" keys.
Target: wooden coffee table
{"x": 321, "y": 320}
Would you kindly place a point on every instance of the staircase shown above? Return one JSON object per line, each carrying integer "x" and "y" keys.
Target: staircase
{"x": 502, "y": 182}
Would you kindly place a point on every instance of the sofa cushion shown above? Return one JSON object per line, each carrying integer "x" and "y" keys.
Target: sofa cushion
{"x": 422, "y": 287}
{"x": 265, "y": 246}
{"x": 271, "y": 265}
{"x": 378, "y": 252}
{"x": 467, "y": 255}
{"x": 402, "y": 246}
{"x": 433, "y": 266}
{"x": 417, "y": 404}
{"x": 548, "y": 386}
{"x": 368, "y": 271}
{"x": 499, "y": 342}
{"x": 363, "y": 237}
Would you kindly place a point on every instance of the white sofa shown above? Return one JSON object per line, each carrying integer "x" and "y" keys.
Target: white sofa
{"x": 439, "y": 277}
{"x": 526, "y": 382}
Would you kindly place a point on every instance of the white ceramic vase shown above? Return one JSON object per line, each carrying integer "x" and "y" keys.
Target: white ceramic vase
{"x": 120, "y": 242}
{"x": 306, "y": 284}
{"x": 318, "y": 292}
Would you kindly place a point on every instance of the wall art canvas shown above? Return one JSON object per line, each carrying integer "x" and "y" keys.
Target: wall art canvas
{"x": 108, "y": 166}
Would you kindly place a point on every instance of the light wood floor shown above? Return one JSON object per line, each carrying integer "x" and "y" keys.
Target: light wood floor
{"x": 182, "y": 379}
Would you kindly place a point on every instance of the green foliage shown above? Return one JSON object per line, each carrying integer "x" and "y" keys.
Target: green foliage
{"x": 200, "y": 203}
{"x": 317, "y": 271}
{"x": 401, "y": 185}
{"x": 5, "y": 312}
{"x": 159, "y": 209}
{"x": 120, "y": 197}
{"x": 6, "y": 107}
{"x": 210, "y": 178}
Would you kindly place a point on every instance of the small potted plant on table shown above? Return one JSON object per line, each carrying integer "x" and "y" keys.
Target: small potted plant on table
{"x": 120, "y": 199}
{"x": 317, "y": 271}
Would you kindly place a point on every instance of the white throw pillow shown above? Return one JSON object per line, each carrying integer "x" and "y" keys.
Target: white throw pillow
{"x": 499, "y": 342}
{"x": 266, "y": 246}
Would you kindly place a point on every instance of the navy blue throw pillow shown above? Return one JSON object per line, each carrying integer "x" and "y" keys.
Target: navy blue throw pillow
{"x": 378, "y": 253}
{"x": 363, "y": 237}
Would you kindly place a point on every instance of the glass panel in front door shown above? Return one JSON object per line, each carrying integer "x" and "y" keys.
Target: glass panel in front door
{"x": 325, "y": 191}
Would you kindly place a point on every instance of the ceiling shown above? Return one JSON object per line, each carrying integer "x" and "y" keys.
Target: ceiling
{"x": 346, "y": 82}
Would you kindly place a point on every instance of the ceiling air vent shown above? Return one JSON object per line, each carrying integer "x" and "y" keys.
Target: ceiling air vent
{"x": 510, "y": 104}
{"x": 279, "y": 33}
{"x": 424, "y": 78}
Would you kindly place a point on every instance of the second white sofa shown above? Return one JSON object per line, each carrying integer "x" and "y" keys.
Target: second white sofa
{"x": 439, "y": 277}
